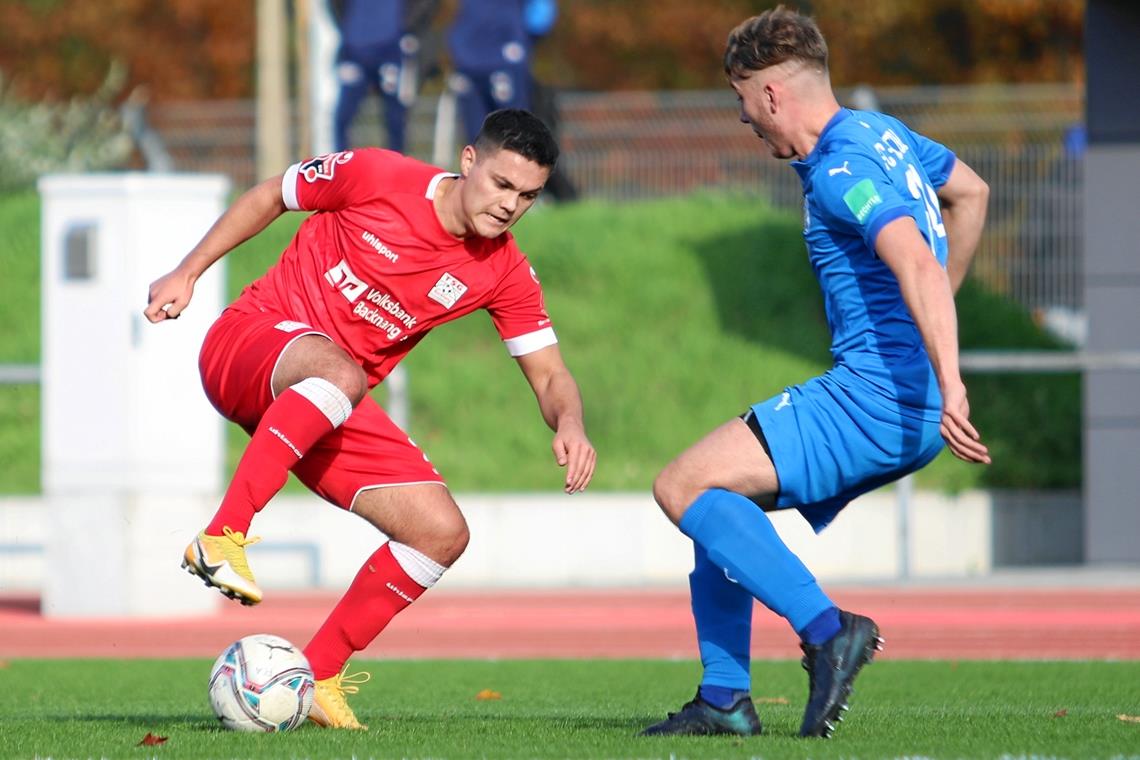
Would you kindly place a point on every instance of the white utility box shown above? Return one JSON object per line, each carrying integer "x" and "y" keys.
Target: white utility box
{"x": 132, "y": 450}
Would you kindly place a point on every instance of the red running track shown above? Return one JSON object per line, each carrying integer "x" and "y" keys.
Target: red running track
{"x": 931, "y": 623}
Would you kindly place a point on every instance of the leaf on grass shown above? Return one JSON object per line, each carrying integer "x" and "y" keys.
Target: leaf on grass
{"x": 771, "y": 700}
{"x": 151, "y": 740}
{"x": 1128, "y": 718}
{"x": 3, "y": 664}
{"x": 486, "y": 694}
{"x": 1060, "y": 713}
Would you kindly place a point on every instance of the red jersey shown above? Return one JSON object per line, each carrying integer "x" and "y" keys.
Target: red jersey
{"x": 375, "y": 269}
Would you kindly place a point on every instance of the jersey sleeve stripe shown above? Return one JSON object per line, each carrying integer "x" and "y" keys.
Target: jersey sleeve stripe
{"x": 531, "y": 342}
{"x": 881, "y": 221}
{"x": 289, "y": 188}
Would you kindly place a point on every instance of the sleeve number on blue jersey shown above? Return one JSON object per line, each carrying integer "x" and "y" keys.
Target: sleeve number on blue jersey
{"x": 892, "y": 150}
{"x": 922, "y": 191}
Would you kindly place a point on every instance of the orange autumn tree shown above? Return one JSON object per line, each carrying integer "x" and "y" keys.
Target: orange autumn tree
{"x": 196, "y": 49}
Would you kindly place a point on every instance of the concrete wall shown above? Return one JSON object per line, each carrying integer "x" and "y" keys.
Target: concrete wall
{"x": 552, "y": 540}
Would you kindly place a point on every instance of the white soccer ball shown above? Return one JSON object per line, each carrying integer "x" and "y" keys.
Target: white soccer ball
{"x": 261, "y": 683}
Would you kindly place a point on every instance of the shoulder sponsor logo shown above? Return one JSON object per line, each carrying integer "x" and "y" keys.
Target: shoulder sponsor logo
{"x": 381, "y": 249}
{"x": 447, "y": 290}
{"x": 840, "y": 170}
{"x": 862, "y": 198}
{"x": 785, "y": 400}
{"x": 323, "y": 167}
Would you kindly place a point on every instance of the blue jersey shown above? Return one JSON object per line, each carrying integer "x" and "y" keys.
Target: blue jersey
{"x": 370, "y": 24}
{"x": 866, "y": 170}
{"x": 489, "y": 34}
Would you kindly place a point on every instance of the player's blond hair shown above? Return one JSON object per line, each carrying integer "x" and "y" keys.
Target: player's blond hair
{"x": 771, "y": 38}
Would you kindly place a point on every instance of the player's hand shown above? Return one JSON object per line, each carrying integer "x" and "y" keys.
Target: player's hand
{"x": 959, "y": 434}
{"x": 168, "y": 296}
{"x": 573, "y": 450}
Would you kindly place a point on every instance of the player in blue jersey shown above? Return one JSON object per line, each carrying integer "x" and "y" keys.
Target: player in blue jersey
{"x": 891, "y": 221}
{"x": 380, "y": 42}
{"x": 491, "y": 43}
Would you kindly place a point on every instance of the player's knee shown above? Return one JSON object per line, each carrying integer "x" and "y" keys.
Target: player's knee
{"x": 351, "y": 379}
{"x": 445, "y": 538}
{"x": 453, "y": 539}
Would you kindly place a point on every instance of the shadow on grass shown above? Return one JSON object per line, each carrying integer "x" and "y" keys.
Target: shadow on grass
{"x": 764, "y": 288}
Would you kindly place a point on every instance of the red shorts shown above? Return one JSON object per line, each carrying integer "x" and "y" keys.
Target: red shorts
{"x": 238, "y": 357}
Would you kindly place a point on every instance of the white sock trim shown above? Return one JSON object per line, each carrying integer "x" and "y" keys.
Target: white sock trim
{"x": 420, "y": 568}
{"x": 327, "y": 397}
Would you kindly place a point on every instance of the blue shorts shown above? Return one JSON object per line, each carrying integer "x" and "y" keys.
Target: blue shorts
{"x": 836, "y": 437}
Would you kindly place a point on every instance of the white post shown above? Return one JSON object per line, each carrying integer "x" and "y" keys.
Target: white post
{"x": 323, "y": 86}
{"x": 132, "y": 451}
{"x": 904, "y": 493}
{"x": 443, "y": 140}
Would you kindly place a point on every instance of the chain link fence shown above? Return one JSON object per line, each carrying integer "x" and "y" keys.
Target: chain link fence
{"x": 626, "y": 146}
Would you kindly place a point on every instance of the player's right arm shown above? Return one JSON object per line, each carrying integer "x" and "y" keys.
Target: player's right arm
{"x": 925, "y": 288}
{"x": 250, "y": 214}
{"x": 963, "y": 200}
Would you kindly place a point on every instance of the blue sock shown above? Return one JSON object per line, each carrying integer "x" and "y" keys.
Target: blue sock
{"x": 740, "y": 539}
{"x": 722, "y": 697}
{"x": 822, "y": 628}
{"x": 722, "y": 611}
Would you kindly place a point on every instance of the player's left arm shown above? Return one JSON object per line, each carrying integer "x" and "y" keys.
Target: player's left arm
{"x": 963, "y": 199}
{"x": 561, "y": 406}
{"x": 927, "y": 292}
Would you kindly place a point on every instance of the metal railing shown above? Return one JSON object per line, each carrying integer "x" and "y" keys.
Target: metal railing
{"x": 627, "y": 146}
{"x": 624, "y": 146}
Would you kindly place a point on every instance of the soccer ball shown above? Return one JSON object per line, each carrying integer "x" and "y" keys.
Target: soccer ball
{"x": 261, "y": 683}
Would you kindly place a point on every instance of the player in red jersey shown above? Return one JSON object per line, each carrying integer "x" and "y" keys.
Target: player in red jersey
{"x": 394, "y": 248}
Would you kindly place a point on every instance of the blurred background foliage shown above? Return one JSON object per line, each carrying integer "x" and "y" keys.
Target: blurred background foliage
{"x": 202, "y": 49}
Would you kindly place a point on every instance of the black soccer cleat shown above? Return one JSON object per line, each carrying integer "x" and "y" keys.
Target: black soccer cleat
{"x": 699, "y": 718}
{"x": 832, "y": 668}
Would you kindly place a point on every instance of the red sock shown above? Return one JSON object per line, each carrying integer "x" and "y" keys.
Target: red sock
{"x": 380, "y": 590}
{"x": 290, "y": 425}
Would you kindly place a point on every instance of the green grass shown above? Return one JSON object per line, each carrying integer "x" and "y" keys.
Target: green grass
{"x": 581, "y": 709}
{"x": 673, "y": 314}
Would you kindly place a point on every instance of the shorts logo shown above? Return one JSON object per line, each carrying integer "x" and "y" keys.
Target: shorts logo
{"x": 447, "y": 291}
{"x": 323, "y": 167}
{"x": 289, "y": 327}
{"x": 342, "y": 278}
{"x": 862, "y": 198}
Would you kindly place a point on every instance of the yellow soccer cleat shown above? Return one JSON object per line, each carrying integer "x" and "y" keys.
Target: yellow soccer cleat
{"x": 330, "y": 709}
{"x": 220, "y": 562}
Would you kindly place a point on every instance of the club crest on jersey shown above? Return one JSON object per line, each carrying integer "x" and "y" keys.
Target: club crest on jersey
{"x": 447, "y": 291}
{"x": 323, "y": 167}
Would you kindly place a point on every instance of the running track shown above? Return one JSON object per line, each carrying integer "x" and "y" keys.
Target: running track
{"x": 938, "y": 622}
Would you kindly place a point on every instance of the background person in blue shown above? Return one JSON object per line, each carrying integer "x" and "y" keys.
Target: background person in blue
{"x": 380, "y": 42}
{"x": 891, "y": 221}
{"x": 491, "y": 43}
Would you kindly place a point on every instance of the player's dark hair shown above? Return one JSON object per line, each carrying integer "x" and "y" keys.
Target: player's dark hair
{"x": 520, "y": 132}
{"x": 775, "y": 36}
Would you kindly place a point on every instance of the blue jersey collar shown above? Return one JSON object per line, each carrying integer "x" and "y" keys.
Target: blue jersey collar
{"x": 805, "y": 166}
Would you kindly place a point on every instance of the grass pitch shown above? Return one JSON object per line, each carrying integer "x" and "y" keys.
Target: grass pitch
{"x": 581, "y": 709}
